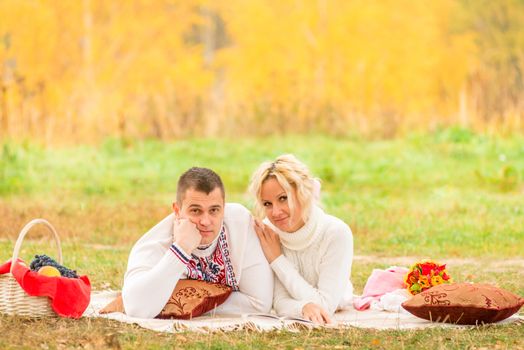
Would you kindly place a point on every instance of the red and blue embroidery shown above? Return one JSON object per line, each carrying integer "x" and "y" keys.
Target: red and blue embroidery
{"x": 179, "y": 253}
{"x": 216, "y": 268}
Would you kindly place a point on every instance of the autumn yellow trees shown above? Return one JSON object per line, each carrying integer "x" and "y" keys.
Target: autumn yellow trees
{"x": 86, "y": 69}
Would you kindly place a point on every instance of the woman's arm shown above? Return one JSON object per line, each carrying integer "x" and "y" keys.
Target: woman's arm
{"x": 284, "y": 304}
{"x": 287, "y": 306}
{"x": 334, "y": 273}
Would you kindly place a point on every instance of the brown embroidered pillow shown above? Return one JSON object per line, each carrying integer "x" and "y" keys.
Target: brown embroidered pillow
{"x": 464, "y": 303}
{"x": 190, "y": 298}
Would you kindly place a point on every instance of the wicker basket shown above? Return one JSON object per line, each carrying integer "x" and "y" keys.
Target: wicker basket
{"x": 13, "y": 299}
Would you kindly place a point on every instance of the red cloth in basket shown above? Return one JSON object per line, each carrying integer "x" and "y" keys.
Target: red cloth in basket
{"x": 69, "y": 296}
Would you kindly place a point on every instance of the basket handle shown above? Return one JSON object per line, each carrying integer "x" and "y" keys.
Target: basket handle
{"x": 26, "y": 229}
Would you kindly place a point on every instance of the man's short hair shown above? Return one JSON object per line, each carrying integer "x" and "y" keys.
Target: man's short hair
{"x": 200, "y": 179}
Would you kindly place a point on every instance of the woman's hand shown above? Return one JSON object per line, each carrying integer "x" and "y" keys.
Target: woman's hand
{"x": 269, "y": 241}
{"x": 315, "y": 313}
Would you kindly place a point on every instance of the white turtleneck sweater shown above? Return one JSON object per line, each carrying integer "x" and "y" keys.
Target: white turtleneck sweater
{"x": 315, "y": 266}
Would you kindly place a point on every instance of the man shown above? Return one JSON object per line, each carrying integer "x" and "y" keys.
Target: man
{"x": 204, "y": 239}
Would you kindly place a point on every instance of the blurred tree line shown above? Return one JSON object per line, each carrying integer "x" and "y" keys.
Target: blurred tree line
{"x": 87, "y": 69}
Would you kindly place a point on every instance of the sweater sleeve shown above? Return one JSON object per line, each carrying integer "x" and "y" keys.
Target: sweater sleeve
{"x": 255, "y": 292}
{"x": 153, "y": 271}
{"x": 284, "y": 304}
{"x": 334, "y": 273}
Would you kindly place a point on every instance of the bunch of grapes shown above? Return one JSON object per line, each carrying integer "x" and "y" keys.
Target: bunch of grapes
{"x": 44, "y": 260}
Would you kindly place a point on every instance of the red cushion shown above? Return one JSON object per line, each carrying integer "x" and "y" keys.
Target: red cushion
{"x": 464, "y": 303}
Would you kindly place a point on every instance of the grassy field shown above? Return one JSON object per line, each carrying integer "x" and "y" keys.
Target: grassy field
{"x": 452, "y": 196}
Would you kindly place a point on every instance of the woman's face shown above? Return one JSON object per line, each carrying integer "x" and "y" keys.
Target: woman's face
{"x": 275, "y": 202}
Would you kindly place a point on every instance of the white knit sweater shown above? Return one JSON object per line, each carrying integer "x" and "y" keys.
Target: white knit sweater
{"x": 153, "y": 268}
{"x": 315, "y": 265}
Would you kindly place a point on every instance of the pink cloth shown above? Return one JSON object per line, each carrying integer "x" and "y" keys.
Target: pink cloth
{"x": 379, "y": 283}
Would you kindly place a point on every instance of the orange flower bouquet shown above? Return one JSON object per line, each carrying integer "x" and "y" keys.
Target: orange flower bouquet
{"x": 424, "y": 275}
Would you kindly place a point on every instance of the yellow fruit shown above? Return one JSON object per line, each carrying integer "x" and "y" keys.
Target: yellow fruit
{"x": 49, "y": 271}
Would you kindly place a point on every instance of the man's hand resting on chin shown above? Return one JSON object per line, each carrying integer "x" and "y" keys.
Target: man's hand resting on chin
{"x": 186, "y": 235}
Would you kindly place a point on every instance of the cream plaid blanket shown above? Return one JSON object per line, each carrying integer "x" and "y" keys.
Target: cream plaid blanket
{"x": 267, "y": 322}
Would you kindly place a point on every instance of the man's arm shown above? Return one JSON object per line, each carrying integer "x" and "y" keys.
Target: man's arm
{"x": 152, "y": 275}
{"x": 155, "y": 265}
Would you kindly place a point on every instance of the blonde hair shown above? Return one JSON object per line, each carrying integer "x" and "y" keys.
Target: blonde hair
{"x": 290, "y": 174}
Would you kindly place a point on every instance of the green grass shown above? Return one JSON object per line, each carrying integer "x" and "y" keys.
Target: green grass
{"x": 99, "y": 333}
{"x": 451, "y": 195}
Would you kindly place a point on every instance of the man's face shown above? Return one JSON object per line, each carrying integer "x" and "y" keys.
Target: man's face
{"x": 206, "y": 211}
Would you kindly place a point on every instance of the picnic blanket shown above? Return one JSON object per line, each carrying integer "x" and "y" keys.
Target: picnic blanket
{"x": 210, "y": 322}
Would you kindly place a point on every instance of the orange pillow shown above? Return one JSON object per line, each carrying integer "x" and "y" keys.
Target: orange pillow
{"x": 464, "y": 303}
{"x": 190, "y": 298}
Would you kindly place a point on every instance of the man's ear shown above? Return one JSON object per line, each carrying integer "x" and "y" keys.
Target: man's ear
{"x": 176, "y": 209}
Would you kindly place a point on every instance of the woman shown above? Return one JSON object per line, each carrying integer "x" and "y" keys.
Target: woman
{"x": 310, "y": 251}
